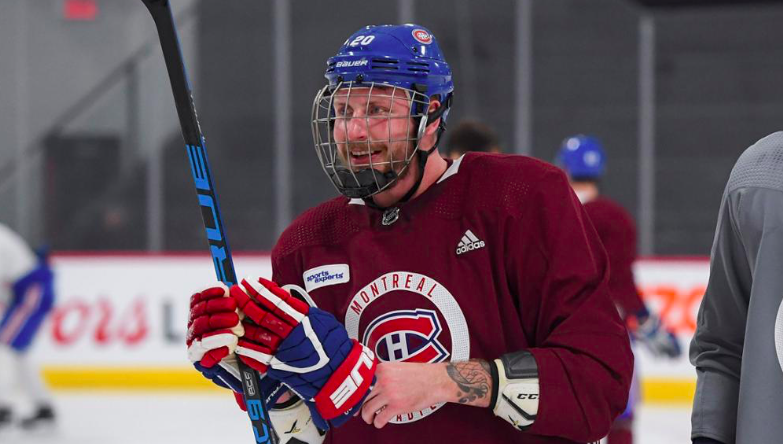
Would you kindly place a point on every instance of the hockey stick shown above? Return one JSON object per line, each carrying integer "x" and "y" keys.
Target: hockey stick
{"x": 199, "y": 167}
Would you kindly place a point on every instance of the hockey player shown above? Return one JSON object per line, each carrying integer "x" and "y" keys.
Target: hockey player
{"x": 738, "y": 345}
{"x": 473, "y": 136}
{"x": 26, "y": 296}
{"x": 584, "y": 160}
{"x": 457, "y": 301}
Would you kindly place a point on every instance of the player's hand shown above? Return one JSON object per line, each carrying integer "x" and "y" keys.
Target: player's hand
{"x": 402, "y": 387}
{"x": 214, "y": 329}
{"x": 305, "y": 348}
{"x": 657, "y": 338}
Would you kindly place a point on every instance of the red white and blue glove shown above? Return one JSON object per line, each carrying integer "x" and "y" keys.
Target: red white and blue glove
{"x": 213, "y": 332}
{"x": 659, "y": 340}
{"x": 306, "y": 349}
{"x": 214, "y": 329}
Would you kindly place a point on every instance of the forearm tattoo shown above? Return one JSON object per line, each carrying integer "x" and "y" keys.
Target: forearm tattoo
{"x": 473, "y": 378}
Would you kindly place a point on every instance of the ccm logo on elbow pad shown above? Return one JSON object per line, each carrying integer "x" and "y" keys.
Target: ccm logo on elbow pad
{"x": 348, "y": 384}
{"x": 515, "y": 394}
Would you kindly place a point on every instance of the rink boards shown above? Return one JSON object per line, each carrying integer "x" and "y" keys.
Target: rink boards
{"x": 119, "y": 321}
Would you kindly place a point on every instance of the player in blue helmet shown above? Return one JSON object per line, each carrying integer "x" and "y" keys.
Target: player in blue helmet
{"x": 393, "y": 73}
{"x": 442, "y": 292}
{"x": 584, "y": 160}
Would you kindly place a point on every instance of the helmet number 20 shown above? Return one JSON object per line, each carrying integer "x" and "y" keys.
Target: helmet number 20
{"x": 362, "y": 40}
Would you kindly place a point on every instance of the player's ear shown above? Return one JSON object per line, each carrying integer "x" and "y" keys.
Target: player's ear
{"x": 432, "y": 126}
{"x": 434, "y": 105}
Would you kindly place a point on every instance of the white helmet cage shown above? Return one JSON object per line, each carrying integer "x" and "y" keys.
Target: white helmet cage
{"x": 362, "y": 180}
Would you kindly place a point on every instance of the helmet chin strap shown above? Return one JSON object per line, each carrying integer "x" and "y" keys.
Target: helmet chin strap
{"x": 366, "y": 180}
{"x": 422, "y": 158}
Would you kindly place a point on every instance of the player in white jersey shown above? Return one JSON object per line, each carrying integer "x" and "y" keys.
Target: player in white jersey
{"x": 26, "y": 296}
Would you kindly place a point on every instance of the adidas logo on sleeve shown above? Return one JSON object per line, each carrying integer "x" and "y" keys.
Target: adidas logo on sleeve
{"x": 469, "y": 242}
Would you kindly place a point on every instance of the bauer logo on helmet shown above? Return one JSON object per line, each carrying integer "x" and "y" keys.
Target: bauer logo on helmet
{"x": 350, "y": 63}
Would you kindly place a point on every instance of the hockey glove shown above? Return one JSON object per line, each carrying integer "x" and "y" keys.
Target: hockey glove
{"x": 213, "y": 333}
{"x": 656, "y": 337}
{"x": 306, "y": 348}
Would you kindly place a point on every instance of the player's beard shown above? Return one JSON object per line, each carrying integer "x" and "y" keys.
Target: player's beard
{"x": 381, "y": 158}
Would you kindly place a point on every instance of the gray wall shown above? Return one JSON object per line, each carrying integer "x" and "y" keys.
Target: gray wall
{"x": 50, "y": 66}
{"x": 720, "y": 90}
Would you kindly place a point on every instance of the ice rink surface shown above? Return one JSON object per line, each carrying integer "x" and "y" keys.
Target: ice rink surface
{"x": 188, "y": 418}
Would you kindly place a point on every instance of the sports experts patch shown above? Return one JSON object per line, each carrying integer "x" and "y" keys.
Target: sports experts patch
{"x": 326, "y": 275}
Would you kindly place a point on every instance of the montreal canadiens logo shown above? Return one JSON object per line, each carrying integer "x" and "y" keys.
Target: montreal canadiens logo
{"x": 436, "y": 333}
{"x": 404, "y": 335}
{"x": 422, "y": 36}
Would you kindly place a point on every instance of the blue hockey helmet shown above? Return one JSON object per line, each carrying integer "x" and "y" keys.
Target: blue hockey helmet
{"x": 407, "y": 56}
{"x": 400, "y": 60}
{"x": 582, "y": 157}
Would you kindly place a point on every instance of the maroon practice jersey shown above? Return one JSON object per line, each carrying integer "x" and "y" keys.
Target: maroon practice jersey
{"x": 495, "y": 257}
{"x": 617, "y": 231}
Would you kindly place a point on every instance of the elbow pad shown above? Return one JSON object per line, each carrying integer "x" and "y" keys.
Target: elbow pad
{"x": 293, "y": 423}
{"x": 515, "y": 393}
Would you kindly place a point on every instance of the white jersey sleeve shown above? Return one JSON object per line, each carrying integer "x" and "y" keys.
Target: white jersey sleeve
{"x": 16, "y": 260}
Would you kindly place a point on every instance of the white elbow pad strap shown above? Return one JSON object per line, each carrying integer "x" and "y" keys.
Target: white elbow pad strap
{"x": 293, "y": 423}
{"x": 515, "y": 392}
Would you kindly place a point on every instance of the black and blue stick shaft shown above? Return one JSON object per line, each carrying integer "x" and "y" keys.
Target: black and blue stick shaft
{"x": 210, "y": 211}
